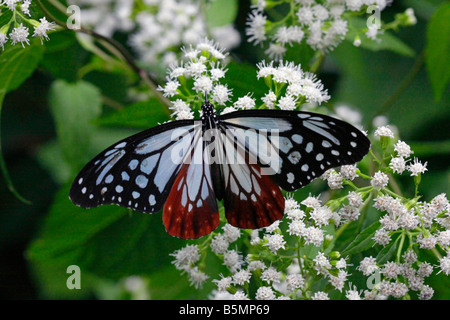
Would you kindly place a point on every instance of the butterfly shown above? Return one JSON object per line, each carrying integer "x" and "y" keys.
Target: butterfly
{"x": 243, "y": 158}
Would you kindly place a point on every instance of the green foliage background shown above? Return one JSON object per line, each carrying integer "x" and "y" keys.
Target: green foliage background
{"x": 57, "y": 114}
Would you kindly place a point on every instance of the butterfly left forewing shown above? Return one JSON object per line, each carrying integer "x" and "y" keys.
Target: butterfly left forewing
{"x": 136, "y": 172}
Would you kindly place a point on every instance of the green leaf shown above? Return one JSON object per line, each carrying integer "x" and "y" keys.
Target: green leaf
{"x": 438, "y": 50}
{"x": 107, "y": 242}
{"x": 221, "y": 12}
{"x": 143, "y": 114}
{"x": 363, "y": 240}
{"x": 387, "y": 41}
{"x": 74, "y": 106}
{"x": 242, "y": 79}
{"x": 387, "y": 252}
{"x": 63, "y": 57}
{"x": 16, "y": 65}
{"x": 51, "y": 157}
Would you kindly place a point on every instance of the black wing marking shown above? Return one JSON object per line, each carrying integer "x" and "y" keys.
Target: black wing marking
{"x": 136, "y": 172}
{"x": 308, "y": 143}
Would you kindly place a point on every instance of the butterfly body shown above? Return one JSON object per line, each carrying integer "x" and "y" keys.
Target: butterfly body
{"x": 243, "y": 158}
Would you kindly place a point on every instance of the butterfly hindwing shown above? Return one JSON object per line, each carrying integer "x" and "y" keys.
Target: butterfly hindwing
{"x": 136, "y": 172}
{"x": 191, "y": 209}
{"x": 252, "y": 199}
{"x": 307, "y": 143}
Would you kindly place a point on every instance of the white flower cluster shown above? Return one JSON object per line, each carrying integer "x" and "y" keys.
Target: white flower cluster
{"x": 432, "y": 221}
{"x": 156, "y": 29}
{"x": 336, "y": 179}
{"x": 243, "y": 269}
{"x": 321, "y": 24}
{"x": 185, "y": 260}
{"x": 399, "y": 162}
{"x": 204, "y": 66}
{"x": 21, "y": 32}
{"x": 398, "y": 278}
{"x": 293, "y": 86}
{"x": 421, "y": 215}
{"x": 200, "y": 71}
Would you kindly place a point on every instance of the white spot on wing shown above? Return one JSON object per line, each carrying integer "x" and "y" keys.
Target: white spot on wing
{"x": 152, "y": 200}
{"x": 141, "y": 181}
{"x": 135, "y": 194}
{"x": 290, "y": 177}
{"x": 121, "y": 145}
{"x": 133, "y": 164}
{"x": 294, "y": 157}
{"x": 109, "y": 178}
{"x": 297, "y": 138}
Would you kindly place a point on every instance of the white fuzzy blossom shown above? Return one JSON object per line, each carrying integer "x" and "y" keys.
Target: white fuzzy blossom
{"x": 417, "y": 167}
{"x": 402, "y": 149}
{"x": 245, "y": 102}
{"x": 241, "y": 277}
{"x": 320, "y": 295}
{"x": 186, "y": 256}
{"x": 265, "y": 293}
{"x": 43, "y": 28}
{"x": 224, "y": 283}
{"x": 20, "y": 35}
{"x": 275, "y": 242}
{"x": 233, "y": 260}
{"x": 231, "y": 233}
{"x": 271, "y": 275}
{"x": 368, "y": 266}
{"x": 444, "y": 265}
{"x": 398, "y": 165}
{"x": 300, "y": 85}
{"x": 384, "y": 131}
{"x": 219, "y": 244}
{"x": 379, "y": 180}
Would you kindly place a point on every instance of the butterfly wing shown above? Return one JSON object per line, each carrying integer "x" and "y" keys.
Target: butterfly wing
{"x": 136, "y": 172}
{"x": 306, "y": 144}
{"x": 191, "y": 209}
{"x": 252, "y": 200}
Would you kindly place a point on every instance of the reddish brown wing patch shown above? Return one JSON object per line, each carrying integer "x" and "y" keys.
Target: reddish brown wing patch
{"x": 191, "y": 209}
{"x": 255, "y": 208}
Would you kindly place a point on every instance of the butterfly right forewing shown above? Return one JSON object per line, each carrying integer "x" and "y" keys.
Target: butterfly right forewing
{"x": 307, "y": 144}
